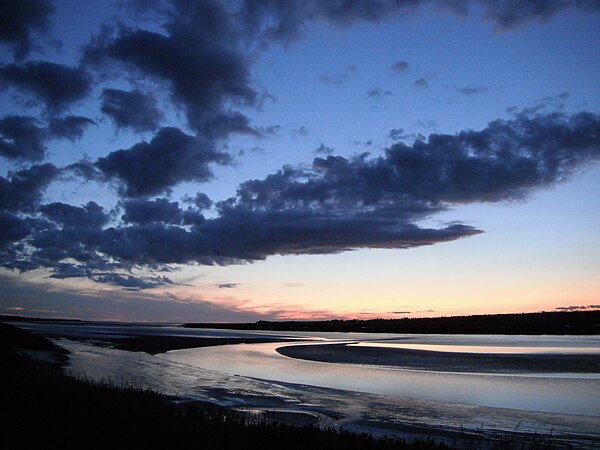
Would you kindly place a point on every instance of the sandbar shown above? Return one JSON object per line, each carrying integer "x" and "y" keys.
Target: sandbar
{"x": 445, "y": 361}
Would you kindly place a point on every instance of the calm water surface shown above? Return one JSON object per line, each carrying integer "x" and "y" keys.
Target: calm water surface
{"x": 483, "y": 349}
{"x": 359, "y": 397}
{"x": 567, "y": 393}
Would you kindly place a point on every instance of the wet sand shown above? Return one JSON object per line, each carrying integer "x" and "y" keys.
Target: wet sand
{"x": 445, "y": 361}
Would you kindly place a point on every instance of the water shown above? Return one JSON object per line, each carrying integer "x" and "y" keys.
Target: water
{"x": 361, "y": 397}
{"x": 565, "y": 393}
{"x": 483, "y": 349}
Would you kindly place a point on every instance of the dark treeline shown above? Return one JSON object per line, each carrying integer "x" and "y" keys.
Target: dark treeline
{"x": 43, "y": 408}
{"x": 579, "y": 322}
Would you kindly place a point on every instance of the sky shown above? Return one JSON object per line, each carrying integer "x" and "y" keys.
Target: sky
{"x": 182, "y": 160}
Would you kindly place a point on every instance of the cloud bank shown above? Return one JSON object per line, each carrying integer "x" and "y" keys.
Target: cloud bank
{"x": 338, "y": 205}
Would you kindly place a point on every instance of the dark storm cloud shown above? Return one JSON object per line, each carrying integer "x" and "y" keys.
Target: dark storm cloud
{"x": 19, "y": 19}
{"x": 172, "y": 156}
{"x": 240, "y": 235}
{"x": 338, "y": 205}
{"x": 22, "y": 190}
{"x": 286, "y": 21}
{"x": 22, "y": 138}
{"x": 504, "y": 161}
{"x": 67, "y": 270}
{"x": 90, "y": 215}
{"x": 69, "y": 127}
{"x": 510, "y": 13}
{"x": 131, "y": 109}
{"x": 591, "y": 5}
{"x": 142, "y": 211}
{"x": 202, "y": 56}
{"x": 71, "y": 232}
{"x": 55, "y": 85}
{"x": 130, "y": 282}
{"x": 200, "y": 60}
{"x": 13, "y": 228}
{"x": 201, "y": 200}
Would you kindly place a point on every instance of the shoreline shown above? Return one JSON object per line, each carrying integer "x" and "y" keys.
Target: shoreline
{"x": 124, "y": 339}
{"x": 302, "y": 411}
{"x": 557, "y": 323}
{"x": 574, "y": 323}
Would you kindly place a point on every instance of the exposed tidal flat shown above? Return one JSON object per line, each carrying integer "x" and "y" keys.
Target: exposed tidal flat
{"x": 547, "y": 387}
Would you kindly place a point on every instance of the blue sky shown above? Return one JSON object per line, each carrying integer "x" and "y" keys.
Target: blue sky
{"x": 356, "y": 208}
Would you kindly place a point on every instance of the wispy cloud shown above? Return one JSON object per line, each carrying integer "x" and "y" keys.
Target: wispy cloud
{"x": 578, "y": 308}
{"x": 338, "y": 78}
{"x": 322, "y": 149}
{"x": 471, "y": 90}
{"x": 378, "y": 93}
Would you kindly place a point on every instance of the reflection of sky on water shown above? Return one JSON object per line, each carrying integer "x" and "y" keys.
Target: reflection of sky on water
{"x": 568, "y": 394}
{"x": 493, "y": 349}
{"x": 496, "y": 340}
{"x": 357, "y": 396}
{"x": 354, "y": 410}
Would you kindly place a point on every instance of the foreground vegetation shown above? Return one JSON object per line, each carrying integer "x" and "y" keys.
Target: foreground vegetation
{"x": 561, "y": 323}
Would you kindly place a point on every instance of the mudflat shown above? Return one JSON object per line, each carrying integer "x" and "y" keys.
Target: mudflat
{"x": 445, "y": 361}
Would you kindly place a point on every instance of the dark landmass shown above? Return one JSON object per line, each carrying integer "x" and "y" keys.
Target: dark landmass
{"x": 560, "y": 323}
{"x": 15, "y": 341}
{"x": 43, "y": 408}
{"x": 445, "y": 361}
{"x": 15, "y": 318}
{"x": 13, "y": 337}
